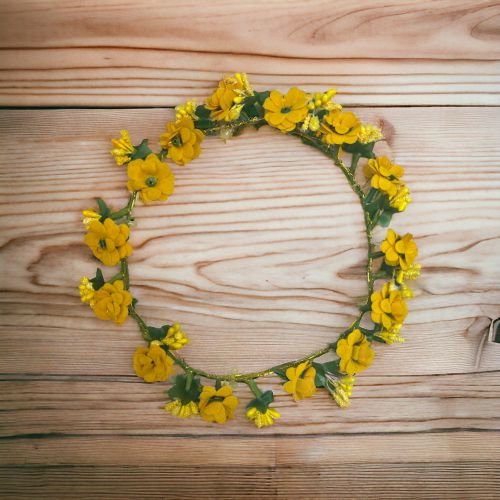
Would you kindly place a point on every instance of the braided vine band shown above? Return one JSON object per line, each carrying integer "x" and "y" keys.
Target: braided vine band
{"x": 319, "y": 122}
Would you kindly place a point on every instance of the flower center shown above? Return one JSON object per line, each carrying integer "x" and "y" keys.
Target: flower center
{"x": 151, "y": 181}
{"x": 102, "y": 244}
{"x": 177, "y": 141}
{"x": 286, "y": 110}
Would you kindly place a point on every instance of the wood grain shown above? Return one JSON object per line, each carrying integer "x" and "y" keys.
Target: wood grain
{"x": 260, "y": 250}
{"x": 157, "y": 53}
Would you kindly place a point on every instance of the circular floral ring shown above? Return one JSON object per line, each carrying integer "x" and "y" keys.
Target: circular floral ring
{"x": 319, "y": 122}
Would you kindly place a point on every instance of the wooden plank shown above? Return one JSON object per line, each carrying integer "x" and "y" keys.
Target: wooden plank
{"x": 56, "y": 52}
{"x": 389, "y": 480}
{"x": 80, "y": 405}
{"x": 263, "y": 203}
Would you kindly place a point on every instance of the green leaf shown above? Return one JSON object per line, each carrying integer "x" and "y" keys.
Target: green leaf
{"x": 322, "y": 369}
{"x": 262, "y": 402}
{"x": 157, "y": 333}
{"x": 141, "y": 151}
{"x": 134, "y": 302}
{"x": 364, "y": 150}
{"x": 104, "y": 210}
{"x": 180, "y": 392}
{"x": 262, "y": 96}
{"x": 202, "y": 112}
{"x": 281, "y": 373}
{"x": 98, "y": 281}
{"x": 385, "y": 219}
{"x": 204, "y": 124}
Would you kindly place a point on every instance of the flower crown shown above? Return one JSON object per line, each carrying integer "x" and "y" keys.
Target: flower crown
{"x": 319, "y": 122}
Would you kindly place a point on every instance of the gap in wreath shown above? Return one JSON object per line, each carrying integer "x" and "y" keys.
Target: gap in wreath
{"x": 260, "y": 253}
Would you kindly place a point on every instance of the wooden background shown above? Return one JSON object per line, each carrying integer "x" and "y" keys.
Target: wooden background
{"x": 259, "y": 253}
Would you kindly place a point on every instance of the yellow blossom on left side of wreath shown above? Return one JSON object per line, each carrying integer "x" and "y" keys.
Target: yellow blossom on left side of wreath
{"x": 384, "y": 175}
{"x": 108, "y": 241}
{"x": 388, "y": 307}
{"x": 355, "y": 353}
{"x": 151, "y": 177}
{"x": 399, "y": 251}
{"x": 401, "y": 198}
{"x": 300, "y": 381}
{"x": 369, "y": 133}
{"x": 111, "y": 302}
{"x": 285, "y": 111}
{"x": 123, "y": 148}
{"x": 175, "y": 338}
{"x": 262, "y": 419}
{"x": 340, "y": 388}
{"x": 339, "y": 127}
{"x": 182, "y": 140}
{"x": 152, "y": 363}
{"x": 177, "y": 409}
{"x": 217, "y": 405}
{"x": 87, "y": 291}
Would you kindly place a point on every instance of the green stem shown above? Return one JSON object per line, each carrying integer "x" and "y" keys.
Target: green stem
{"x": 354, "y": 162}
{"x": 253, "y": 387}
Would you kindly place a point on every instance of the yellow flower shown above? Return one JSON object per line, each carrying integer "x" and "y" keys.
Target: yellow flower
{"x": 90, "y": 216}
{"x": 182, "y": 140}
{"x": 263, "y": 419}
{"x": 339, "y": 127}
{"x": 108, "y": 241}
{"x": 225, "y": 102}
{"x": 399, "y": 251}
{"x": 87, "y": 291}
{"x": 152, "y": 363}
{"x": 187, "y": 109}
{"x": 400, "y": 200}
{"x": 177, "y": 409}
{"x": 217, "y": 405}
{"x": 388, "y": 307}
{"x": 355, "y": 353}
{"x": 411, "y": 273}
{"x": 340, "y": 389}
{"x": 384, "y": 175}
{"x": 285, "y": 111}
{"x": 369, "y": 133}
{"x": 323, "y": 100}
{"x": 392, "y": 335}
{"x": 123, "y": 149}
{"x": 151, "y": 177}
{"x": 111, "y": 302}
{"x": 300, "y": 381}
{"x": 175, "y": 338}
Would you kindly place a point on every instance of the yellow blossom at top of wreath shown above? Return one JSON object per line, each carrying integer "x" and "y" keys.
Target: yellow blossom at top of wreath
{"x": 384, "y": 175}
{"x": 175, "y": 338}
{"x": 369, "y": 133}
{"x": 217, "y": 405}
{"x": 182, "y": 140}
{"x": 339, "y": 127}
{"x": 355, "y": 353}
{"x": 108, "y": 241}
{"x": 285, "y": 111}
{"x": 388, "y": 307}
{"x": 111, "y": 302}
{"x": 152, "y": 363}
{"x": 399, "y": 250}
{"x": 262, "y": 419}
{"x": 151, "y": 177}
{"x": 323, "y": 100}
{"x": 186, "y": 109}
{"x": 123, "y": 148}
{"x": 300, "y": 381}
{"x": 225, "y": 103}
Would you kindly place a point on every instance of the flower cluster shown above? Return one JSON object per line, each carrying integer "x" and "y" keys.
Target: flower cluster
{"x": 320, "y": 122}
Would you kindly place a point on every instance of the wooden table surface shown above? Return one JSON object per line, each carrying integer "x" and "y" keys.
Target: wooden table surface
{"x": 259, "y": 253}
